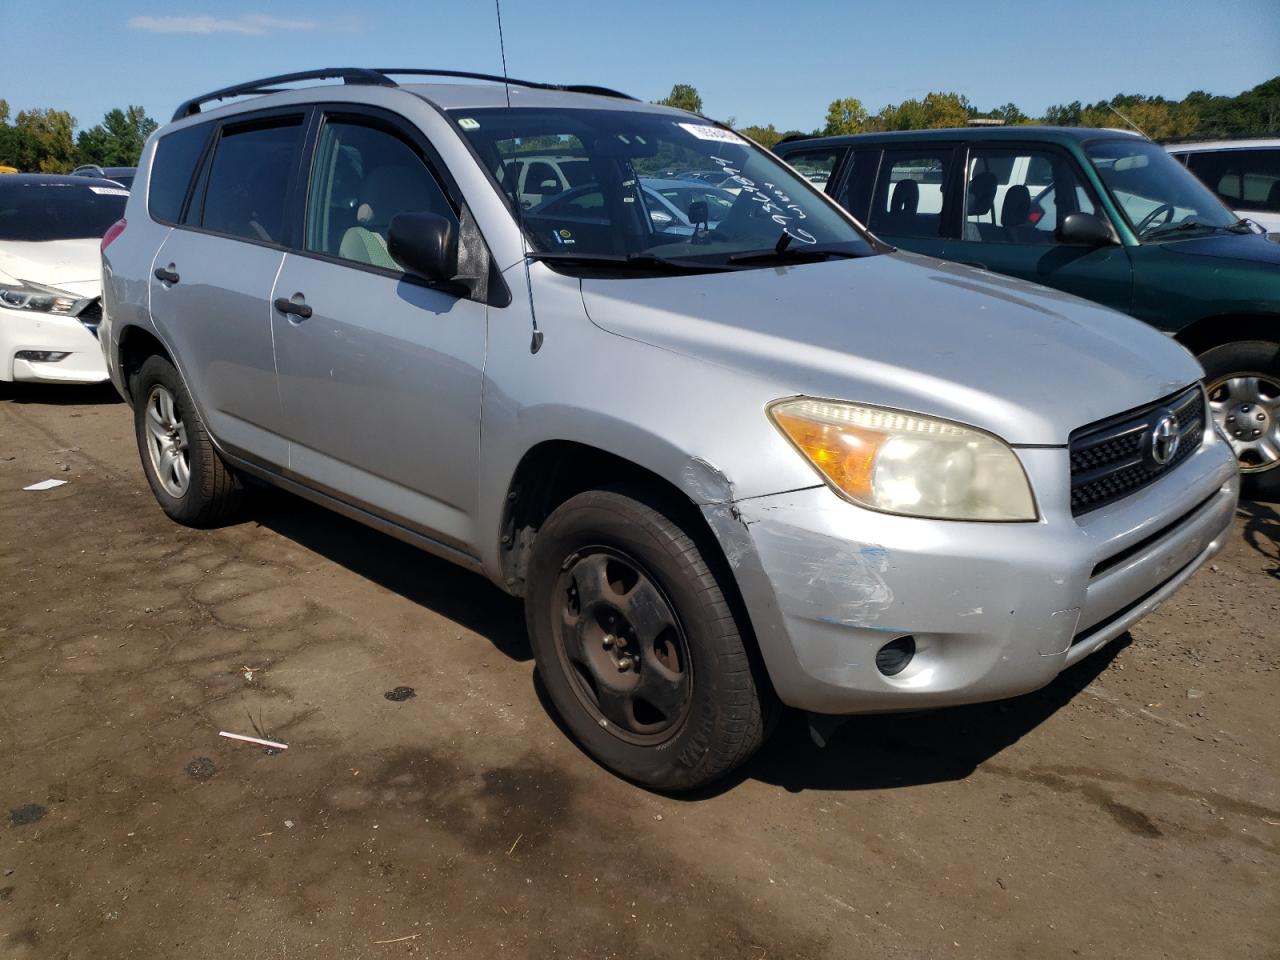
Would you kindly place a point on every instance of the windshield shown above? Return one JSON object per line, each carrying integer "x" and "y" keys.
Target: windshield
{"x": 58, "y": 210}
{"x": 634, "y": 184}
{"x": 1158, "y": 195}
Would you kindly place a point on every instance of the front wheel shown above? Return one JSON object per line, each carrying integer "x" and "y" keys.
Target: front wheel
{"x": 637, "y": 645}
{"x": 1243, "y": 381}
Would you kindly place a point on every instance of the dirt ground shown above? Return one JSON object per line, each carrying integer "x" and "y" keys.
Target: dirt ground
{"x": 1131, "y": 809}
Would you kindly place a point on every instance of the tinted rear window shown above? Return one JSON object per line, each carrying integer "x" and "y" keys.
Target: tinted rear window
{"x": 176, "y": 157}
{"x": 58, "y": 210}
{"x": 249, "y": 180}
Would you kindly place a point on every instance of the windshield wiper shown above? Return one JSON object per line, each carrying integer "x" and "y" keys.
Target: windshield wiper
{"x": 1186, "y": 225}
{"x": 631, "y": 261}
{"x": 788, "y": 254}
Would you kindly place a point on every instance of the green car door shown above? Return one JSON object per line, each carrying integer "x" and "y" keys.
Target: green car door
{"x": 1014, "y": 198}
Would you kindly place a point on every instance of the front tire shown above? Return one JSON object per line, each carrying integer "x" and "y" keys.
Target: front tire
{"x": 1243, "y": 380}
{"x": 637, "y": 645}
{"x": 189, "y": 479}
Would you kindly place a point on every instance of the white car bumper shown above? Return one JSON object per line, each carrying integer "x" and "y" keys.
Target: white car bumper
{"x": 28, "y": 338}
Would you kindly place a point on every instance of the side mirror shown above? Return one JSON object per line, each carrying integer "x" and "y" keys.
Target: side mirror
{"x": 425, "y": 244}
{"x": 1086, "y": 229}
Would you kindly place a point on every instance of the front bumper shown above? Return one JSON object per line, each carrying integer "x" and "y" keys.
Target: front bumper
{"x": 24, "y": 330}
{"x": 996, "y": 610}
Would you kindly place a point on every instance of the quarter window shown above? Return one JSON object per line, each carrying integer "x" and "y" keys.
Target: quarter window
{"x": 1012, "y": 195}
{"x": 908, "y": 200}
{"x": 364, "y": 176}
{"x": 175, "y": 161}
{"x": 248, "y": 181}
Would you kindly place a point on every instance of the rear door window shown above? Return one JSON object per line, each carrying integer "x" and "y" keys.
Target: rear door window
{"x": 249, "y": 180}
{"x": 910, "y": 194}
{"x": 171, "y": 170}
{"x": 1012, "y": 194}
{"x": 1247, "y": 179}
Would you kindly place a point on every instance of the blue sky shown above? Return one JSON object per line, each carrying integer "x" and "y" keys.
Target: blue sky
{"x": 758, "y": 62}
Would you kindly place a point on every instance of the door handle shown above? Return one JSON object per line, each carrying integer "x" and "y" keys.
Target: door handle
{"x": 167, "y": 274}
{"x": 299, "y": 310}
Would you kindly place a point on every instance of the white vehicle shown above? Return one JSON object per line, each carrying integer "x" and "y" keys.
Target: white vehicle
{"x": 51, "y": 228}
{"x": 1245, "y": 174}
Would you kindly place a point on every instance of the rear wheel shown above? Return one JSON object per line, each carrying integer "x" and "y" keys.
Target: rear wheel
{"x": 189, "y": 479}
{"x": 637, "y": 646}
{"x": 1243, "y": 381}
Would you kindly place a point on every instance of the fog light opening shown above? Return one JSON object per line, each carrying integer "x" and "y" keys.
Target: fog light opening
{"x": 40, "y": 356}
{"x": 893, "y": 657}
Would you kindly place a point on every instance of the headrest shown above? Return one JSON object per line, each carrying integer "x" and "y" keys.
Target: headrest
{"x": 394, "y": 189}
{"x": 906, "y": 197}
{"x": 982, "y": 194}
{"x": 1016, "y": 209}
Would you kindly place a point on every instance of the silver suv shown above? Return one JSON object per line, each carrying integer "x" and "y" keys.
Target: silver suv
{"x": 766, "y": 460}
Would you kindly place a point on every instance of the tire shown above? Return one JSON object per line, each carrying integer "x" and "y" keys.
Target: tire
{"x": 211, "y": 493}
{"x": 707, "y": 712}
{"x": 1238, "y": 376}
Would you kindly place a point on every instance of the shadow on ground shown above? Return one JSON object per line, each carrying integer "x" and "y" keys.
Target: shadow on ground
{"x": 867, "y": 753}
{"x": 59, "y": 394}
{"x": 1262, "y": 531}
{"x": 467, "y": 599}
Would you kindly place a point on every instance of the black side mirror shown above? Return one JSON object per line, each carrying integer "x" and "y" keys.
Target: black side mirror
{"x": 1086, "y": 229}
{"x": 425, "y": 244}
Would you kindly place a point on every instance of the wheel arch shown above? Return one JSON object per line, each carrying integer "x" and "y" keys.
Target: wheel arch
{"x": 1219, "y": 329}
{"x": 136, "y": 344}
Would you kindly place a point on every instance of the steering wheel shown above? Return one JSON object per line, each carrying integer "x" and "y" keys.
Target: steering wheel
{"x": 1150, "y": 218}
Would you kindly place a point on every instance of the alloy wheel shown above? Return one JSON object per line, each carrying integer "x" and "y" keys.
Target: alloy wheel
{"x": 1246, "y": 408}
{"x": 167, "y": 442}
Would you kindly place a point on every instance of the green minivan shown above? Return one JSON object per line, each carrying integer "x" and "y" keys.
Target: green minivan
{"x": 1103, "y": 214}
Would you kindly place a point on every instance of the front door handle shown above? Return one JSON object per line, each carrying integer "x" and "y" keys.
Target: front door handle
{"x": 167, "y": 274}
{"x": 294, "y": 307}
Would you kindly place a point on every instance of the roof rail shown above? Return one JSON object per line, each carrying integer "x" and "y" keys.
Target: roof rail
{"x": 354, "y": 75}
{"x": 372, "y": 77}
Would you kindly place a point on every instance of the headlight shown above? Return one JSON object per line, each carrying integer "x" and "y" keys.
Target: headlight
{"x": 38, "y": 299}
{"x": 905, "y": 463}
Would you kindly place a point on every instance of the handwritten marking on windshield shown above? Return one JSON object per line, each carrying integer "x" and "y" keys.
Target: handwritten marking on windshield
{"x": 783, "y": 216}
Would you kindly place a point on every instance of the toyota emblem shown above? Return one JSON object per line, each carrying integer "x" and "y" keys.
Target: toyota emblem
{"x": 1165, "y": 439}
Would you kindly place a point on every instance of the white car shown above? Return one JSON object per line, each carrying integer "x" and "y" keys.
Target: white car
{"x": 1245, "y": 174}
{"x": 51, "y": 228}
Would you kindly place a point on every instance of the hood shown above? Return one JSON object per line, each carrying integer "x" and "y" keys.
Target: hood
{"x": 72, "y": 265}
{"x": 1025, "y": 363}
{"x": 1254, "y": 247}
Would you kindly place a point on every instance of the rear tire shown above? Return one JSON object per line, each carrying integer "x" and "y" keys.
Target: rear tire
{"x": 637, "y": 645}
{"x": 189, "y": 479}
{"x": 1243, "y": 380}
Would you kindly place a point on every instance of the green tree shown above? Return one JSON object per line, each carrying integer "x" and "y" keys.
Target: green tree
{"x": 847, "y": 115}
{"x": 118, "y": 140}
{"x": 1064, "y": 115}
{"x": 767, "y": 136}
{"x": 683, "y": 96}
{"x": 41, "y": 141}
{"x": 1010, "y": 114}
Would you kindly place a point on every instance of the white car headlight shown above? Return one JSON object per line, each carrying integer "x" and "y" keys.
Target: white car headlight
{"x": 38, "y": 299}
{"x": 906, "y": 463}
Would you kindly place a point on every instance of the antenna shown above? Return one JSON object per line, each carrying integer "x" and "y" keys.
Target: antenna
{"x": 1118, "y": 114}
{"x": 535, "y": 343}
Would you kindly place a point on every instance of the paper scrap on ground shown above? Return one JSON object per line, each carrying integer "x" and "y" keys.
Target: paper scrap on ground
{"x": 45, "y": 485}
{"x": 263, "y": 743}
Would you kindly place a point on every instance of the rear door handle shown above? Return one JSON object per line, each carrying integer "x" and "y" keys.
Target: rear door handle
{"x": 167, "y": 274}
{"x": 300, "y": 310}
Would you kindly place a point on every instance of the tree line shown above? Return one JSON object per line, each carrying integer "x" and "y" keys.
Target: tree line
{"x": 1199, "y": 115}
{"x": 44, "y": 140}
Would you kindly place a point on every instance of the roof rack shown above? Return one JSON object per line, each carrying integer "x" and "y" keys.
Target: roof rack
{"x": 376, "y": 78}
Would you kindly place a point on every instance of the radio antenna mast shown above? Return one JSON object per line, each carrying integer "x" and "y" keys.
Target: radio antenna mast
{"x": 535, "y": 343}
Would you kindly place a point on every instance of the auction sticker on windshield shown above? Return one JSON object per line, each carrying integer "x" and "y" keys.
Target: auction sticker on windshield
{"x": 706, "y": 132}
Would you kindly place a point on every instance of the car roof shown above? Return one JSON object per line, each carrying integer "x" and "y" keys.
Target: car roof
{"x": 1016, "y": 133}
{"x": 54, "y": 179}
{"x": 1201, "y": 146}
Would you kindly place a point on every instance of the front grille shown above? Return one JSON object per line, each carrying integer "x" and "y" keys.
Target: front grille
{"x": 91, "y": 315}
{"x": 1117, "y": 457}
